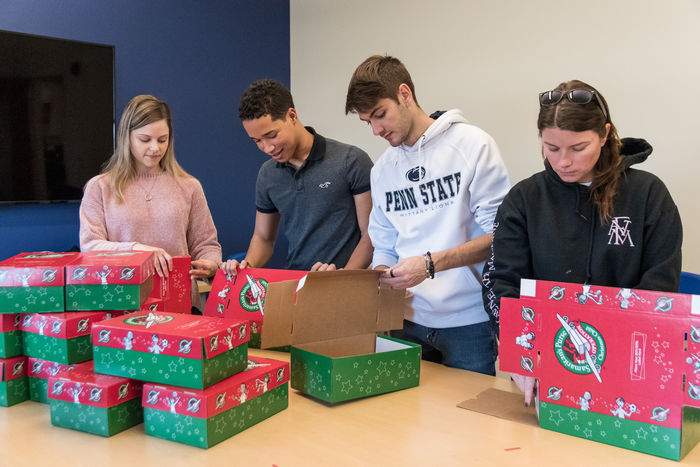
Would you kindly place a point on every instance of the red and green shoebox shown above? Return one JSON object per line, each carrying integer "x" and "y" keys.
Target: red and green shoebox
{"x": 10, "y": 336}
{"x": 184, "y": 350}
{"x": 331, "y": 319}
{"x": 172, "y": 294}
{"x": 109, "y": 280}
{"x": 100, "y": 404}
{"x": 617, "y": 366}
{"x": 39, "y": 371}
{"x": 206, "y": 417}
{"x": 13, "y": 381}
{"x": 242, "y": 296}
{"x": 59, "y": 337}
{"x": 34, "y": 282}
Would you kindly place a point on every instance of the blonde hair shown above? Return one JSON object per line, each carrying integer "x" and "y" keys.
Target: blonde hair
{"x": 140, "y": 111}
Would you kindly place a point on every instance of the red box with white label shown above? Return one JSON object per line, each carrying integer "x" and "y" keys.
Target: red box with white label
{"x": 34, "y": 282}
{"x": 206, "y": 417}
{"x": 172, "y": 294}
{"x": 109, "y": 280}
{"x": 619, "y": 366}
{"x": 242, "y": 296}
{"x": 13, "y": 381}
{"x": 100, "y": 404}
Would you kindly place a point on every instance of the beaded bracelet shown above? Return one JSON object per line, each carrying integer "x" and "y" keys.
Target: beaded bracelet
{"x": 429, "y": 266}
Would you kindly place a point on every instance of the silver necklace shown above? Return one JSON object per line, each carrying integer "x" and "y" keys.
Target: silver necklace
{"x": 147, "y": 193}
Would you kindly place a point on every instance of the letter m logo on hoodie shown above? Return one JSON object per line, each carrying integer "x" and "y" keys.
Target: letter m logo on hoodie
{"x": 619, "y": 232}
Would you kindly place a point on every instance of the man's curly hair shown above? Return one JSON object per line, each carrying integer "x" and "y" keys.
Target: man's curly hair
{"x": 265, "y": 97}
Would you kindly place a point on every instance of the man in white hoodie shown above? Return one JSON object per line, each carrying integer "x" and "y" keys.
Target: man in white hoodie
{"x": 435, "y": 194}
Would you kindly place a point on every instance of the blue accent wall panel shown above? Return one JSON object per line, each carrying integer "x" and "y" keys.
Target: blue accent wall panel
{"x": 197, "y": 56}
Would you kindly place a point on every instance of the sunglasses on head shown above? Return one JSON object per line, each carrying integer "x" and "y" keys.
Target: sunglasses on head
{"x": 577, "y": 96}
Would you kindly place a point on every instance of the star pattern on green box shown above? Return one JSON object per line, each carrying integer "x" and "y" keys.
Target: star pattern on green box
{"x": 37, "y": 389}
{"x": 205, "y": 433}
{"x": 31, "y": 299}
{"x": 339, "y": 379}
{"x": 14, "y": 391}
{"x": 97, "y": 420}
{"x": 10, "y": 344}
{"x": 66, "y": 351}
{"x": 631, "y": 434}
{"x": 90, "y": 297}
{"x": 167, "y": 369}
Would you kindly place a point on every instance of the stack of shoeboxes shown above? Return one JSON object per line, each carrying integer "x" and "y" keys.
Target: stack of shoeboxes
{"x": 200, "y": 385}
{"x": 30, "y": 283}
{"x": 55, "y": 342}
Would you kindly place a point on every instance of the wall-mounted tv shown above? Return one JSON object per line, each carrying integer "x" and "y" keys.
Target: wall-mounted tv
{"x": 56, "y": 116}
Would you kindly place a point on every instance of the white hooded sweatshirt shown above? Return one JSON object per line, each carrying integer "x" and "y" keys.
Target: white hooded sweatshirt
{"x": 439, "y": 193}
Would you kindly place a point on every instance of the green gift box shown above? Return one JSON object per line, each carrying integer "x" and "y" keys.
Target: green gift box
{"x": 184, "y": 350}
{"x": 109, "y": 280}
{"x": 34, "y": 282}
{"x": 59, "y": 337}
{"x": 13, "y": 381}
{"x": 104, "y": 405}
{"x": 206, "y": 417}
{"x": 10, "y": 336}
{"x": 39, "y": 371}
{"x": 331, "y": 319}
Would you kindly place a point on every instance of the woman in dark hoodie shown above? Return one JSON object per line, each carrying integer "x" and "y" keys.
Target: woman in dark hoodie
{"x": 588, "y": 218}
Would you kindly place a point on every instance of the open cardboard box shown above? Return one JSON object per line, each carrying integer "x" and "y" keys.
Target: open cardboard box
{"x": 331, "y": 319}
{"x": 242, "y": 296}
{"x": 617, "y": 366}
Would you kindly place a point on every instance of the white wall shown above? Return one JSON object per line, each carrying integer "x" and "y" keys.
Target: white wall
{"x": 492, "y": 58}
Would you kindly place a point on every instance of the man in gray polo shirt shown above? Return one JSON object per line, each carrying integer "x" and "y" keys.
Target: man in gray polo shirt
{"x": 317, "y": 187}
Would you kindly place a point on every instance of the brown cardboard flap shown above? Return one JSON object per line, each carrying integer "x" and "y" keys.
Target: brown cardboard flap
{"x": 330, "y": 305}
{"x": 502, "y": 404}
{"x": 343, "y": 347}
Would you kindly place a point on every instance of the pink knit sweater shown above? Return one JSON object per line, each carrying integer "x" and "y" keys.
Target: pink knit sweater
{"x": 177, "y": 219}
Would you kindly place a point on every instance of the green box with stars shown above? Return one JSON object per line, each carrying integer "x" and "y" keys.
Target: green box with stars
{"x": 34, "y": 282}
{"x": 10, "y": 336}
{"x": 171, "y": 348}
{"x": 206, "y": 417}
{"x": 332, "y": 320}
{"x": 59, "y": 337}
{"x": 103, "y": 405}
{"x": 14, "y": 387}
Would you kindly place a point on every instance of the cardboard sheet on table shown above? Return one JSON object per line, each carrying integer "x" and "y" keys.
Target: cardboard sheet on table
{"x": 502, "y": 404}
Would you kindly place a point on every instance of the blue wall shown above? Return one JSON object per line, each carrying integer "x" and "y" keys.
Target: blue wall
{"x": 197, "y": 56}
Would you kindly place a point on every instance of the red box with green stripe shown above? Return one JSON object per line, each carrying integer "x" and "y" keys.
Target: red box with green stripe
{"x": 242, "y": 296}
{"x": 13, "y": 381}
{"x": 617, "y": 366}
{"x": 109, "y": 280}
{"x": 39, "y": 371}
{"x": 34, "y": 282}
{"x": 206, "y": 417}
{"x": 184, "y": 350}
{"x": 59, "y": 337}
{"x": 104, "y": 405}
{"x": 10, "y": 336}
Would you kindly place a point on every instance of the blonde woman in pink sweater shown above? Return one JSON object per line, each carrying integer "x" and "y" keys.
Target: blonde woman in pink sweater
{"x": 144, "y": 200}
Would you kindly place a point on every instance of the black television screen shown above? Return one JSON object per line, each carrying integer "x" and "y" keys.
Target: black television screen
{"x": 56, "y": 116}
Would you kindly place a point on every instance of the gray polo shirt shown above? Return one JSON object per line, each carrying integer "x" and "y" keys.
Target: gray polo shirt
{"x": 316, "y": 203}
